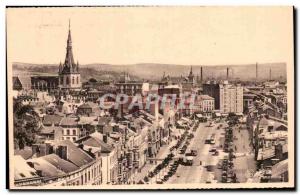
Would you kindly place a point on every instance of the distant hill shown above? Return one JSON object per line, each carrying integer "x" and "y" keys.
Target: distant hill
{"x": 87, "y": 72}
{"x": 152, "y": 71}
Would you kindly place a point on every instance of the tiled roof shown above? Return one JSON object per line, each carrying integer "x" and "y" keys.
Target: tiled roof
{"x": 52, "y": 119}
{"x": 26, "y": 153}
{"x": 68, "y": 121}
{"x": 75, "y": 154}
{"x": 21, "y": 169}
{"x": 264, "y": 122}
{"x": 85, "y": 105}
{"x": 25, "y": 81}
{"x": 46, "y": 168}
{"x": 88, "y": 120}
{"x": 104, "y": 120}
{"x": 205, "y": 97}
{"x": 59, "y": 163}
{"x": 50, "y": 129}
{"x": 280, "y": 168}
{"x": 96, "y": 140}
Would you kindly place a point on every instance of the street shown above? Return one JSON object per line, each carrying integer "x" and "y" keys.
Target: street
{"x": 197, "y": 173}
{"x": 205, "y": 165}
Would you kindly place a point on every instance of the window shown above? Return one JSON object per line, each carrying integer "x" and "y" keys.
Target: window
{"x": 74, "y": 132}
{"x": 73, "y": 80}
{"x": 32, "y": 173}
{"x": 77, "y": 80}
{"x": 74, "y": 139}
{"x": 68, "y": 132}
{"x": 68, "y": 80}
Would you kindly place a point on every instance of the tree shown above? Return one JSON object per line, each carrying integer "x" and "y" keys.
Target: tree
{"x": 92, "y": 80}
{"x": 26, "y": 124}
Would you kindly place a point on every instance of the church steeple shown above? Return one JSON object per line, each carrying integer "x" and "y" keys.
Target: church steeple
{"x": 191, "y": 76}
{"x": 60, "y": 68}
{"x": 191, "y": 71}
{"x": 69, "y": 65}
{"x": 69, "y": 75}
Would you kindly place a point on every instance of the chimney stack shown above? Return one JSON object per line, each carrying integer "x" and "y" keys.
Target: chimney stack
{"x": 105, "y": 138}
{"x": 227, "y": 73}
{"x": 256, "y": 71}
{"x": 201, "y": 75}
{"x": 62, "y": 152}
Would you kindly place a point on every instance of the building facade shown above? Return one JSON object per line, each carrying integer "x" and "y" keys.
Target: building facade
{"x": 231, "y": 98}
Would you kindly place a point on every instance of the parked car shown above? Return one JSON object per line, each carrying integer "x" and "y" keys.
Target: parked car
{"x": 216, "y": 153}
{"x": 192, "y": 153}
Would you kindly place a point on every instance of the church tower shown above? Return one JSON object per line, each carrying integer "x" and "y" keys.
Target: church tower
{"x": 191, "y": 76}
{"x": 68, "y": 73}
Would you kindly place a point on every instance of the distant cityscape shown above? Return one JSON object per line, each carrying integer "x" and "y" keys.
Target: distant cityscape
{"x": 119, "y": 128}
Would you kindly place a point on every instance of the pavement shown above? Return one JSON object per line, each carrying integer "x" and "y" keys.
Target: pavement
{"x": 163, "y": 153}
{"x": 244, "y": 164}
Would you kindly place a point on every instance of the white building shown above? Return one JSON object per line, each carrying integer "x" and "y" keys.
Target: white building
{"x": 231, "y": 98}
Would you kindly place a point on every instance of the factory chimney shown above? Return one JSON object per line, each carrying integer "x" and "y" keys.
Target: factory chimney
{"x": 256, "y": 73}
{"x": 227, "y": 74}
{"x": 201, "y": 75}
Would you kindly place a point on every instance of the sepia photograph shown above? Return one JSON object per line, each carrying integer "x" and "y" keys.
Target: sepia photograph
{"x": 150, "y": 97}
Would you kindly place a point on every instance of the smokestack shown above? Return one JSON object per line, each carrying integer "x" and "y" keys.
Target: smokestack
{"x": 270, "y": 76}
{"x": 201, "y": 75}
{"x": 256, "y": 69}
{"x": 227, "y": 74}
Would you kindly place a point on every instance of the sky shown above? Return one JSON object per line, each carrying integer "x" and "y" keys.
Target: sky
{"x": 170, "y": 35}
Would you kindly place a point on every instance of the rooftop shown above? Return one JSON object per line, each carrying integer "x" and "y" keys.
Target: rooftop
{"x": 75, "y": 155}
{"x": 21, "y": 169}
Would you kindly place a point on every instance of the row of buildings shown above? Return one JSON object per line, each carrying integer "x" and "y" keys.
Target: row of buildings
{"x": 268, "y": 127}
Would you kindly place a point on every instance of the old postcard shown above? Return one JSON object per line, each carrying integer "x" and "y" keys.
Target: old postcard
{"x": 150, "y": 97}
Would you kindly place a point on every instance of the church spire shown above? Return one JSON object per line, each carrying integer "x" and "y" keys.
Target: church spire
{"x": 69, "y": 65}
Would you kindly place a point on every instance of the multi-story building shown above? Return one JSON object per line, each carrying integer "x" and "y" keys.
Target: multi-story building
{"x": 109, "y": 154}
{"x": 228, "y": 98}
{"x": 204, "y": 104}
{"x": 213, "y": 90}
{"x": 231, "y": 98}
{"x": 61, "y": 164}
{"x": 24, "y": 175}
{"x": 71, "y": 130}
{"x": 248, "y": 100}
